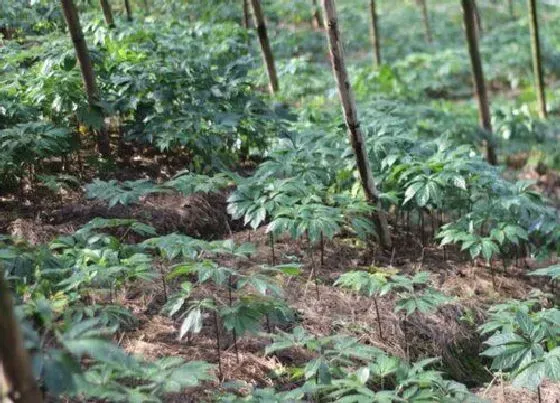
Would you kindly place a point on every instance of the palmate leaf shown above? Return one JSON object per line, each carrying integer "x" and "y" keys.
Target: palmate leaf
{"x": 262, "y": 283}
{"x": 512, "y": 351}
{"x": 192, "y": 322}
{"x": 176, "y": 245}
{"x": 552, "y": 271}
{"x": 368, "y": 284}
{"x": 194, "y": 316}
{"x": 242, "y": 317}
{"x": 282, "y": 340}
{"x": 425, "y": 302}
{"x": 125, "y": 193}
{"x": 187, "y": 182}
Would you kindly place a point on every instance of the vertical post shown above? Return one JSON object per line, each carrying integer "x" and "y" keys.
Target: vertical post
{"x": 268, "y": 57}
{"x": 536, "y": 54}
{"x": 107, "y": 13}
{"x": 317, "y": 20}
{"x": 88, "y": 77}
{"x": 349, "y": 110}
{"x": 478, "y": 77}
{"x": 375, "y": 33}
{"x": 128, "y": 10}
{"x": 246, "y": 14}
{"x": 13, "y": 356}
{"x": 426, "y": 19}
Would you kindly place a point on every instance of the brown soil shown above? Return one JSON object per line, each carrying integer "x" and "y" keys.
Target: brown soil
{"x": 321, "y": 309}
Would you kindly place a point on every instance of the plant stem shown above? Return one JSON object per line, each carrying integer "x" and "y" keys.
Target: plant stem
{"x": 378, "y": 317}
{"x": 322, "y": 250}
{"x": 164, "y": 284}
{"x": 273, "y": 249}
{"x": 492, "y": 274}
{"x": 405, "y": 331}
{"x": 234, "y": 332}
{"x": 218, "y": 346}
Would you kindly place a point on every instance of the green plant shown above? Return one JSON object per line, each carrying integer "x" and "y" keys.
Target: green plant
{"x": 371, "y": 285}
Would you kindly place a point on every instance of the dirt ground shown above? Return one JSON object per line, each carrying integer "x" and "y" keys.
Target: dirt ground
{"x": 320, "y": 308}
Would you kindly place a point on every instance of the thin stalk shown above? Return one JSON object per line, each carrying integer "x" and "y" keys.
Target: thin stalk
{"x": 164, "y": 283}
{"x": 378, "y": 317}
{"x": 218, "y": 346}
{"x": 422, "y": 228}
{"x": 234, "y": 332}
{"x": 405, "y": 332}
{"x": 322, "y": 249}
{"x": 271, "y": 237}
{"x": 492, "y": 274}
{"x": 314, "y": 271}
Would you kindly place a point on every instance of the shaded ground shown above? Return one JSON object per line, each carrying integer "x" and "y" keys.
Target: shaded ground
{"x": 321, "y": 308}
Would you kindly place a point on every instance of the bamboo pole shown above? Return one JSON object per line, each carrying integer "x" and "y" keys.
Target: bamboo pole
{"x": 355, "y": 134}
{"x": 375, "y": 33}
{"x": 86, "y": 68}
{"x": 268, "y": 56}
{"x": 478, "y": 77}
{"x": 536, "y": 55}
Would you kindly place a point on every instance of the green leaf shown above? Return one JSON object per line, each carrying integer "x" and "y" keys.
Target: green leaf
{"x": 192, "y": 323}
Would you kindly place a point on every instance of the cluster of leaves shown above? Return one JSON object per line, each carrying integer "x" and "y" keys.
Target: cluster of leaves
{"x": 130, "y": 192}
{"x": 523, "y": 342}
{"x": 345, "y": 370}
{"x": 57, "y": 288}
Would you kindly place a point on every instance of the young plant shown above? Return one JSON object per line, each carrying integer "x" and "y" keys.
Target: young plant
{"x": 371, "y": 285}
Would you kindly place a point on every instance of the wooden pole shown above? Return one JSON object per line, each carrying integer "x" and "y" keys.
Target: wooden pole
{"x": 107, "y": 13}
{"x": 426, "y": 19}
{"x": 246, "y": 14}
{"x": 351, "y": 119}
{"x": 536, "y": 54}
{"x": 86, "y": 68}
{"x": 128, "y": 10}
{"x": 268, "y": 57}
{"x": 317, "y": 20}
{"x": 13, "y": 356}
{"x": 478, "y": 77}
{"x": 375, "y": 33}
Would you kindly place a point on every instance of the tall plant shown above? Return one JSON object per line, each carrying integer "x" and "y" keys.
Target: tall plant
{"x": 352, "y": 123}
